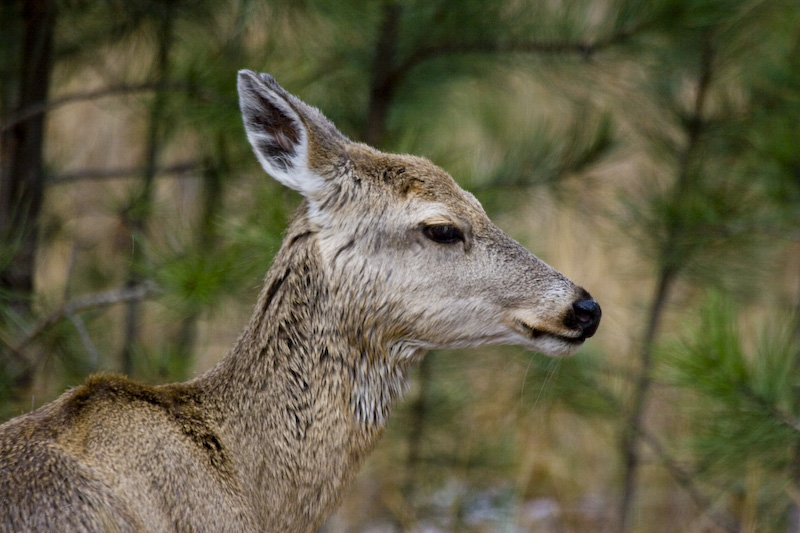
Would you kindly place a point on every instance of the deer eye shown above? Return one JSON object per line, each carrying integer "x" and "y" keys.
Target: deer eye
{"x": 443, "y": 233}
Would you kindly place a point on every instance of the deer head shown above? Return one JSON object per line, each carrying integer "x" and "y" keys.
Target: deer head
{"x": 413, "y": 258}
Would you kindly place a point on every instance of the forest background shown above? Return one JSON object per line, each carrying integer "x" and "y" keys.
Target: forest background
{"x": 648, "y": 150}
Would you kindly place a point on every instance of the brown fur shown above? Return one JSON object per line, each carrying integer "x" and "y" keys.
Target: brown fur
{"x": 268, "y": 438}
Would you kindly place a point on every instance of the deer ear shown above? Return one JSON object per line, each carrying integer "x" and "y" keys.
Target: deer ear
{"x": 283, "y": 132}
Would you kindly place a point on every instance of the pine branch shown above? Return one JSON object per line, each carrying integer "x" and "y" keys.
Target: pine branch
{"x": 86, "y": 339}
{"x": 785, "y": 418}
{"x": 685, "y": 480}
{"x": 113, "y": 173}
{"x": 77, "y": 305}
{"x": 386, "y": 81}
{"x": 42, "y": 108}
{"x": 683, "y": 477}
{"x": 585, "y": 49}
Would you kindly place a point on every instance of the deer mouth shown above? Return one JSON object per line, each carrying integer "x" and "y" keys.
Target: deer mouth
{"x": 538, "y": 334}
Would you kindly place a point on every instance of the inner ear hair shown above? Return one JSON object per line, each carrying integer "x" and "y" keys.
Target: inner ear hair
{"x": 273, "y": 127}
{"x": 291, "y": 139}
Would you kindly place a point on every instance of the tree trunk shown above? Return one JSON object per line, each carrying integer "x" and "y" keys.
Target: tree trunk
{"x": 21, "y": 159}
{"x": 139, "y": 210}
{"x": 793, "y": 517}
{"x": 630, "y": 441}
{"x": 382, "y": 88}
{"x": 206, "y": 241}
{"x": 672, "y": 261}
{"x": 417, "y": 422}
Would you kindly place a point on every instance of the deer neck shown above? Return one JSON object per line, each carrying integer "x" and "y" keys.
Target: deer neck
{"x": 305, "y": 393}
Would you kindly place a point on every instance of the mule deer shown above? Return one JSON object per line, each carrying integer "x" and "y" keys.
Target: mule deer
{"x": 385, "y": 259}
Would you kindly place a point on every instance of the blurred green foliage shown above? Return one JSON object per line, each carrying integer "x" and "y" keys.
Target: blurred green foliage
{"x": 744, "y": 409}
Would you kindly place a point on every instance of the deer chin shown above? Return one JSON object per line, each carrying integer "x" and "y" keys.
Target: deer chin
{"x": 546, "y": 342}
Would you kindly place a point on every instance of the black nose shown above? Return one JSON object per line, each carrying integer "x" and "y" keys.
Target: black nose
{"x": 586, "y": 316}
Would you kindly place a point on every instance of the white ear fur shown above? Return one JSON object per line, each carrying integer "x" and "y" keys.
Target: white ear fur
{"x": 277, "y": 133}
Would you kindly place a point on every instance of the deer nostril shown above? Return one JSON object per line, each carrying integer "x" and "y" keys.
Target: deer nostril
{"x": 587, "y": 315}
